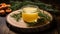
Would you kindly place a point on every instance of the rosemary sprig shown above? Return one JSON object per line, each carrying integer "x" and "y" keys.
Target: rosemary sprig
{"x": 16, "y": 16}
{"x": 44, "y": 16}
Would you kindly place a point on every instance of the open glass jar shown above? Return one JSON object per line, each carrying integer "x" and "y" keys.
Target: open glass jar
{"x": 30, "y": 13}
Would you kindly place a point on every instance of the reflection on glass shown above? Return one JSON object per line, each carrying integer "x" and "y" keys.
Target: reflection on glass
{"x": 30, "y": 13}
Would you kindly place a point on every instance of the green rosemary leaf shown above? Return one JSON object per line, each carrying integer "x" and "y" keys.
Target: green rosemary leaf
{"x": 17, "y": 17}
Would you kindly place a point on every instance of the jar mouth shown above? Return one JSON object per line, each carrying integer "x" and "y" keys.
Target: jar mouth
{"x": 34, "y": 6}
{"x": 30, "y": 8}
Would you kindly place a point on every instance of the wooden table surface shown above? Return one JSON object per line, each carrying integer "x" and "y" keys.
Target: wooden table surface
{"x": 5, "y": 30}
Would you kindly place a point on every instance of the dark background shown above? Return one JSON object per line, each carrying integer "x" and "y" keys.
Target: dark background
{"x": 53, "y": 2}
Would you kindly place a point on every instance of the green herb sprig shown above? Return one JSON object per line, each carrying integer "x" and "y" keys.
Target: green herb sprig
{"x": 44, "y": 16}
{"x": 15, "y": 5}
{"x": 17, "y": 17}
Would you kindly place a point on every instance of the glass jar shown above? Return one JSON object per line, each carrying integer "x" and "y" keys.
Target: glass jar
{"x": 30, "y": 13}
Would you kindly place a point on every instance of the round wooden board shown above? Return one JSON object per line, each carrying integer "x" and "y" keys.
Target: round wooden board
{"x": 22, "y": 26}
{"x": 21, "y": 23}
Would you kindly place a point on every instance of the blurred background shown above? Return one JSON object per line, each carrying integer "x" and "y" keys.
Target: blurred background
{"x": 53, "y": 2}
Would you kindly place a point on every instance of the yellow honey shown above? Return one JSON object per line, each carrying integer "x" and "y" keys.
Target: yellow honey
{"x": 30, "y": 14}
